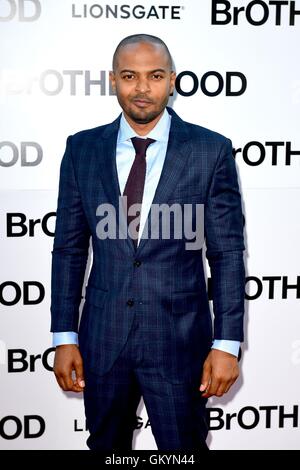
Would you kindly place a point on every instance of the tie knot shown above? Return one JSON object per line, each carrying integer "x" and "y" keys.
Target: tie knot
{"x": 141, "y": 145}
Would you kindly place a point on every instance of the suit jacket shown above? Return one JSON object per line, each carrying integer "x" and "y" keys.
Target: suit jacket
{"x": 161, "y": 280}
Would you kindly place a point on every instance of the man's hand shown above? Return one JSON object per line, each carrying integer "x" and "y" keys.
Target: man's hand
{"x": 68, "y": 358}
{"x": 220, "y": 371}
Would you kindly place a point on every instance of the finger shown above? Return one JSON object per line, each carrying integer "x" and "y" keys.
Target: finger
{"x": 68, "y": 385}
{"x": 64, "y": 378}
{"x": 76, "y": 388}
{"x": 79, "y": 374}
{"x": 59, "y": 380}
{"x": 223, "y": 388}
{"x": 206, "y": 378}
{"x": 68, "y": 379}
{"x": 211, "y": 388}
{"x": 231, "y": 382}
{"x": 205, "y": 393}
{"x": 59, "y": 377}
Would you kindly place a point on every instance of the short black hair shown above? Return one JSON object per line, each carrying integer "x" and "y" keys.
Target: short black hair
{"x": 136, "y": 38}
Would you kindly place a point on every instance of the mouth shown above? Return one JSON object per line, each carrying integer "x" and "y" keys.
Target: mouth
{"x": 142, "y": 103}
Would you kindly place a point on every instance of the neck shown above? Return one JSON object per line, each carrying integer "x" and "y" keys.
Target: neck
{"x": 142, "y": 129}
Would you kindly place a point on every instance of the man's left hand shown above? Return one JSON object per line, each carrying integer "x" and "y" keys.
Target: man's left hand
{"x": 220, "y": 371}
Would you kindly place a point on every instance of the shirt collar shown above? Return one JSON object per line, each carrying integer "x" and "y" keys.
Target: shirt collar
{"x": 160, "y": 131}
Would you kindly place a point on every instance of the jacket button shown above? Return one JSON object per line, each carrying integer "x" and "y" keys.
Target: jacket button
{"x": 130, "y": 302}
{"x": 137, "y": 263}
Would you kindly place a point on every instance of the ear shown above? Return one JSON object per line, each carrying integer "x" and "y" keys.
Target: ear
{"x": 172, "y": 84}
{"x": 112, "y": 79}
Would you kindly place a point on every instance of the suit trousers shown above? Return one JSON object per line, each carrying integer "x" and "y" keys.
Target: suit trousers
{"x": 176, "y": 412}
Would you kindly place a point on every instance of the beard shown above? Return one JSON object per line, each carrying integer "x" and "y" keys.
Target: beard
{"x": 143, "y": 116}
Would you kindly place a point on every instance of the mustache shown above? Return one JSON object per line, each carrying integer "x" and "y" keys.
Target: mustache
{"x": 143, "y": 98}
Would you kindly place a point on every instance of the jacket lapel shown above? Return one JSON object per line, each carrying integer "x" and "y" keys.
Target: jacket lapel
{"x": 178, "y": 150}
{"x": 106, "y": 154}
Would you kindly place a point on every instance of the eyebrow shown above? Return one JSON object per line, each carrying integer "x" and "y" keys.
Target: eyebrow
{"x": 150, "y": 71}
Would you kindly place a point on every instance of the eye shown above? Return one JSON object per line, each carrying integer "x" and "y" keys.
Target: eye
{"x": 157, "y": 76}
{"x": 128, "y": 76}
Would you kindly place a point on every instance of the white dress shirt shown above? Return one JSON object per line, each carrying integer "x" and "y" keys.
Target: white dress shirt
{"x": 155, "y": 157}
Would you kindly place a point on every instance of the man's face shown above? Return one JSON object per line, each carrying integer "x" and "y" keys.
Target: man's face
{"x": 142, "y": 81}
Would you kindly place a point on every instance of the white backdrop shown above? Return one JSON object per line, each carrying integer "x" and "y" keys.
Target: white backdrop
{"x": 49, "y": 51}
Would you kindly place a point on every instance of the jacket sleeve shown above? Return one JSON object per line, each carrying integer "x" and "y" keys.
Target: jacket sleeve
{"x": 70, "y": 249}
{"x": 223, "y": 228}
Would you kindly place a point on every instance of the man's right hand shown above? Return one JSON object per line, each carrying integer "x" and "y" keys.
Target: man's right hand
{"x": 68, "y": 358}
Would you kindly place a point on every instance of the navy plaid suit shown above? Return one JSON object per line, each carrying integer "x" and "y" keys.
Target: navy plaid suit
{"x": 165, "y": 331}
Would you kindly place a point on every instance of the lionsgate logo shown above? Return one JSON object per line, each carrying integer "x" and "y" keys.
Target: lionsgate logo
{"x": 174, "y": 221}
{"x": 125, "y": 11}
{"x": 246, "y": 418}
{"x": 256, "y": 13}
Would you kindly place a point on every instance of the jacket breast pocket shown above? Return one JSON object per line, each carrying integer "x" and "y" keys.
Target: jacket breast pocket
{"x": 185, "y": 302}
{"x": 186, "y": 198}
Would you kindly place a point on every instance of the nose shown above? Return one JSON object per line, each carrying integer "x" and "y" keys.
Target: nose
{"x": 142, "y": 85}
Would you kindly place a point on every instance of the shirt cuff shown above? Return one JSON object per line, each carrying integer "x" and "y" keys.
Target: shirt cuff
{"x": 64, "y": 337}
{"x": 227, "y": 345}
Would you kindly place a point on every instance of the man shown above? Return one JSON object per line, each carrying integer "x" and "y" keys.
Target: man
{"x": 146, "y": 328}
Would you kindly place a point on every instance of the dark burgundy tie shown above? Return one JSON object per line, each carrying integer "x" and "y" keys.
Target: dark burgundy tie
{"x": 134, "y": 187}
